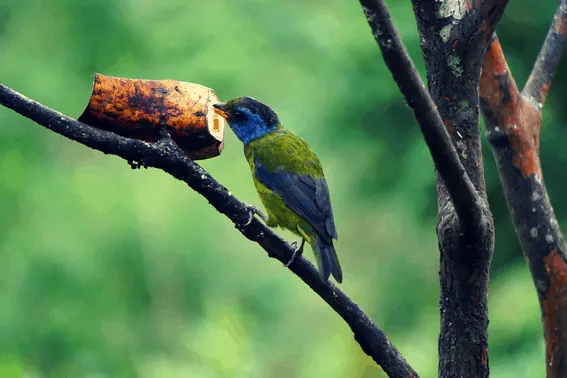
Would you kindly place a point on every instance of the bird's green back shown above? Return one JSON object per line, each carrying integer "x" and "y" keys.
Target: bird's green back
{"x": 282, "y": 148}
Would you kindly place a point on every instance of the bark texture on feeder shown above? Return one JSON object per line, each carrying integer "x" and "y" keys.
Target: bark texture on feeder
{"x": 139, "y": 108}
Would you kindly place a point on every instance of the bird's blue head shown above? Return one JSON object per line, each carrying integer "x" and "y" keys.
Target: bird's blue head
{"x": 248, "y": 118}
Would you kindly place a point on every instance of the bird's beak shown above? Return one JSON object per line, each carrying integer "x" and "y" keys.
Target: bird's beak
{"x": 220, "y": 109}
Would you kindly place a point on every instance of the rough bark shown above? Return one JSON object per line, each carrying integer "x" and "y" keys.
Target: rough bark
{"x": 454, "y": 35}
{"x": 513, "y": 125}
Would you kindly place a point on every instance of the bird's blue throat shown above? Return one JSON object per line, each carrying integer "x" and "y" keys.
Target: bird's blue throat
{"x": 250, "y": 127}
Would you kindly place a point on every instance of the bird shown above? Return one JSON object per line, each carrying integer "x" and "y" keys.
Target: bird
{"x": 289, "y": 179}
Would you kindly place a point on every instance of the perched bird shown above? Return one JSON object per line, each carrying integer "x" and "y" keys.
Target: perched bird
{"x": 288, "y": 177}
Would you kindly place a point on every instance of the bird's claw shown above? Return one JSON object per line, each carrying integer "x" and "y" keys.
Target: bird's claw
{"x": 258, "y": 212}
{"x": 254, "y": 211}
{"x": 297, "y": 251}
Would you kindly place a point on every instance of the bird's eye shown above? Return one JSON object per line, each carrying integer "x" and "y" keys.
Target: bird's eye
{"x": 238, "y": 114}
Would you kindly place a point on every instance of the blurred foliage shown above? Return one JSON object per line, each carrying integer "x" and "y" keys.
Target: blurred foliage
{"x": 110, "y": 272}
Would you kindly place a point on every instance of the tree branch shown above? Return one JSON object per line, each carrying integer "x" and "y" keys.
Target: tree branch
{"x": 167, "y": 156}
{"x": 540, "y": 79}
{"x": 513, "y": 124}
{"x": 453, "y": 37}
{"x": 463, "y": 194}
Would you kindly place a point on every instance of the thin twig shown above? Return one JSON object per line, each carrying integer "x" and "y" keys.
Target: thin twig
{"x": 545, "y": 66}
{"x": 168, "y": 157}
{"x": 463, "y": 194}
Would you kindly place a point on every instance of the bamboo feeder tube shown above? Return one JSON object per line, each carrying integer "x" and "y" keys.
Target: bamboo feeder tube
{"x": 140, "y": 108}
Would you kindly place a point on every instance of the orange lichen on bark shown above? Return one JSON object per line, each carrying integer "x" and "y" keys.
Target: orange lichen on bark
{"x": 139, "y": 108}
{"x": 554, "y": 314}
{"x": 519, "y": 119}
{"x": 523, "y": 130}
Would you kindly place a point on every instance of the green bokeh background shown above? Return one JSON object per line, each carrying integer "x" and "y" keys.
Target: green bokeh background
{"x": 114, "y": 272}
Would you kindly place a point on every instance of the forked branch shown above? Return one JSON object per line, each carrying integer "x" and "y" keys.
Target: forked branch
{"x": 453, "y": 37}
{"x": 513, "y": 125}
{"x": 463, "y": 194}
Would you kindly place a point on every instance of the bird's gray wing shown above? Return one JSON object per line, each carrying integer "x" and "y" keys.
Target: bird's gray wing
{"x": 307, "y": 196}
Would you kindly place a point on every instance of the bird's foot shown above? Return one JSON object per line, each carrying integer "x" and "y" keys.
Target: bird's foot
{"x": 254, "y": 211}
{"x": 297, "y": 251}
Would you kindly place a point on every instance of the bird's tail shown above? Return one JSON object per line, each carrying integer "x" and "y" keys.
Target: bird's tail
{"x": 327, "y": 260}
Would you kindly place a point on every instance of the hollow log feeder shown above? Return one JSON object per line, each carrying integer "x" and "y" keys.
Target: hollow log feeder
{"x": 140, "y": 108}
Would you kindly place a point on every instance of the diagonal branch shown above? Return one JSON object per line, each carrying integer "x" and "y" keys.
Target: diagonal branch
{"x": 167, "y": 156}
{"x": 513, "y": 124}
{"x": 548, "y": 59}
{"x": 463, "y": 194}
